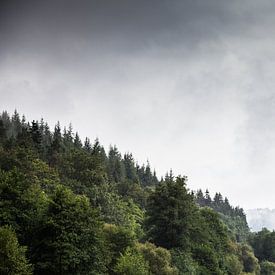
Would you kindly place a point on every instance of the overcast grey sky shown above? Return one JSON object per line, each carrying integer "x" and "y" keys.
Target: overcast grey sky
{"x": 188, "y": 85}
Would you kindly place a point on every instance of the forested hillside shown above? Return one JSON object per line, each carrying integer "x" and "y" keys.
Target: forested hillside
{"x": 70, "y": 207}
{"x": 233, "y": 217}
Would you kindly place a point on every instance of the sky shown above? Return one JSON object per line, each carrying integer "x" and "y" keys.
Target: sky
{"x": 188, "y": 85}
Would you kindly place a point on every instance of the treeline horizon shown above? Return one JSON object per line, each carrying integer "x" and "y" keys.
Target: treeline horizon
{"x": 69, "y": 207}
{"x": 15, "y": 123}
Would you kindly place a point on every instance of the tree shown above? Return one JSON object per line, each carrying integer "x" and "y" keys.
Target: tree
{"x": 250, "y": 262}
{"x": 23, "y": 203}
{"x": 170, "y": 214}
{"x": 267, "y": 268}
{"x": 12, "y": 255}
{"x": 233, "y": 265}
{"x": 118, "y": 239}
{"x": 56, "y": 145}
{"x": 36, "y": 135}
{"x": 200, "y": 198}
{"x": 234, "y": 218}
{"x": 87, "y": 145}
{"x": 217, "y": 202}
{"x": 99, "y": 155}
{"x": 159, "y": 259}
{"x": 132, "y": 262}
{"x": 209, "y": 242}
{"x": 2, "y": 131}
{"x": 70, "y": 241}
{"x": 263, "y": 243}
{"x": 46, "y": 143}
{"x": 78, "y": 165}
{"x": 208, "y": 200}
{"x": 16, "y": 126}
{"x": 130, "y": 169}
{"x": 77, "y": 141}
{"x": 68, "y": 137}
{"x": 116, "y": 169}
{"x": 184, "y": 262}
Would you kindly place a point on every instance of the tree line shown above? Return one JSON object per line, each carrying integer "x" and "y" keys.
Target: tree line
{"x": 70, "y": 207}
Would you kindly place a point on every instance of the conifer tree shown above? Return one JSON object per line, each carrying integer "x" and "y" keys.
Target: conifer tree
{"x": 77, "y": 141}
{"x": 36, "y": 135}
{"x": 87, "y": 145}
{"x": 130, "y": 169}
{"x": 16, "y": 124}
{"x": 208, "y": 200}
{"x": 2, "y": 131}
{"x": 116, "y": 169}
{"x": 57, "y": 138}
{"x": 56, "y": 145}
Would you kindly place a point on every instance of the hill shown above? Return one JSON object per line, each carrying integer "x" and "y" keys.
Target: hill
{"x": 70, "y": 207}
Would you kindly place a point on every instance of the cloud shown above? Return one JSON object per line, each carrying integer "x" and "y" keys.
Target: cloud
{"x": 187, "y": 84}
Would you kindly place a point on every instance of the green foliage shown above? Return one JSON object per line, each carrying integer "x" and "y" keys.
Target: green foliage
{"x": 70, "y": 240}
{"x": 12, "y": 255}
{"x": 22, "y": 202}
{"x": 117, "y": 210}
{"x": 263, "y": 243}
{"x": 81, "y": 167}
{"x": 210, "y": 242}
{"x": 116, "y": 168}
{"x": 118, "y": 240}
{"x": 233, "y": 265}
{"x": 170, "y": 210}
{"x": 250, "y": 262}
{"x": 233, "y": 217}
{"x": 184, "y": 262}
{"x": 267, "y": 268}
{"x": 56, "y": 194}
{"x": 159, "y": 259}
{"x": 237, "y": 226}
{"x": 132, "y": 262}
{"x": 206, "y": 258}
{"x": 134, "y": 191}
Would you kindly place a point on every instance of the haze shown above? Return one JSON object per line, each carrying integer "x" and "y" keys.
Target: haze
{"x": 188, "y": 85}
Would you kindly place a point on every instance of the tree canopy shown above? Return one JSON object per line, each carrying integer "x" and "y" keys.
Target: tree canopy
{"x": 71, "y": 207}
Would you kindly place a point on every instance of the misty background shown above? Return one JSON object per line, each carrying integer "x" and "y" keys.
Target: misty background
{"x": 188, "y": 85}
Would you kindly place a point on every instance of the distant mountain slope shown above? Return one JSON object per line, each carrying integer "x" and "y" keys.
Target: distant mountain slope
{"x": 233, "y": 217}
{"x": 261, "y": 217}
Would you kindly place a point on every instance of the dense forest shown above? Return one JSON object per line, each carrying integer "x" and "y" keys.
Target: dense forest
{"x": 70, "y": 207}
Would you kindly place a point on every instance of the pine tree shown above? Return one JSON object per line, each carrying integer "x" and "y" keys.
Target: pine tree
{"x": 16, "y": 124}
{"x": 87, "y": 145}
{"x": 2, "y": 131}
{"x": 77, "y": 141}
{"x": 218, "y": 202}
{"x": 99, "y": 155}
{"x": 36, "y": 135}
{"x": 130, "y": 169}
{"x": 208, "y": 200}
{"x": 56, "y": 145}
{"x": 57, "y": 138}
{"x": 68, "y": 137}
{"x": 200, "y": 198}
{"x": 116, "y": 169}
